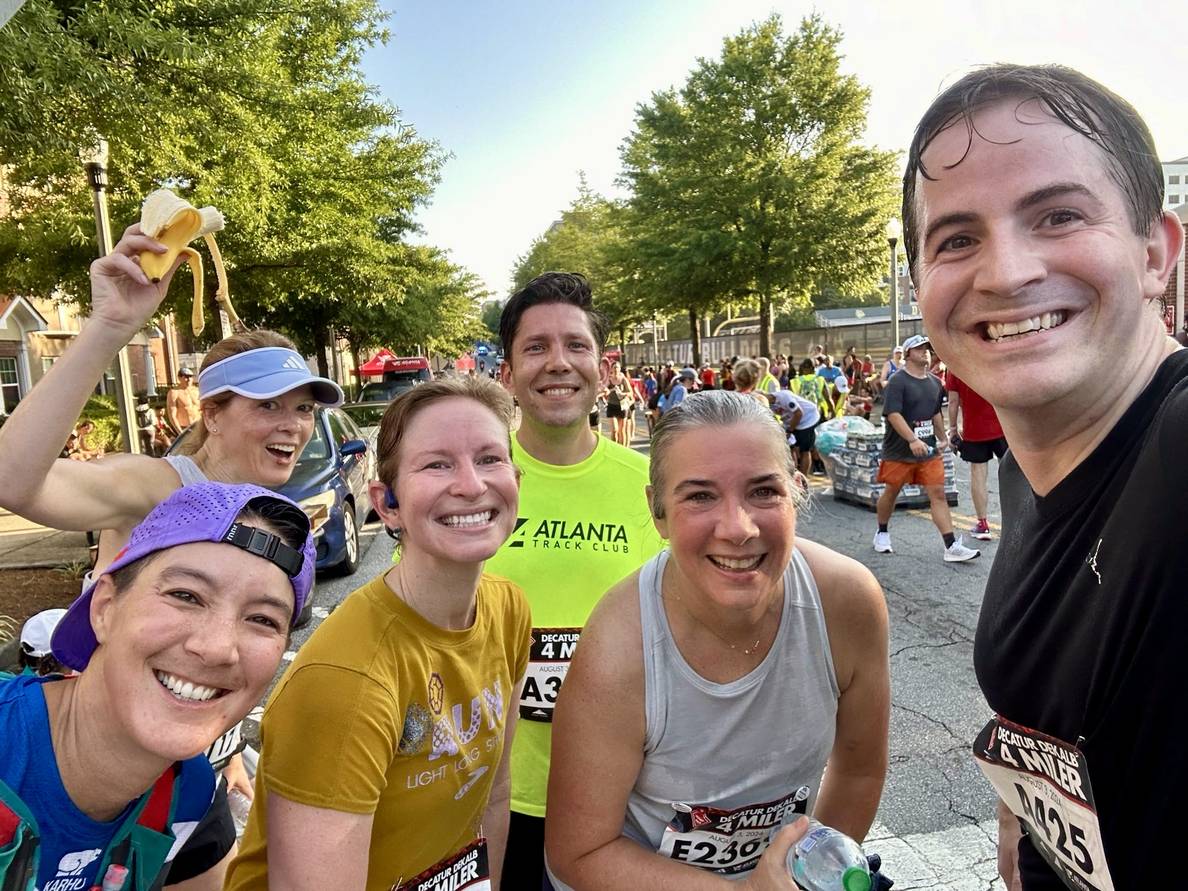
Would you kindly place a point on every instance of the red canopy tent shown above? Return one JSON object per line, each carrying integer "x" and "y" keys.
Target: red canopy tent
{"x": 377, "y": 364}
{"x": 465, "y": 362}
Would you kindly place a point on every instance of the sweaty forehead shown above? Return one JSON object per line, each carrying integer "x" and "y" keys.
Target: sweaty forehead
{"x": 1007, "y": 148}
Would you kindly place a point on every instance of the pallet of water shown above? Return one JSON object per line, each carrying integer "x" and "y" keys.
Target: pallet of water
{"x": 854, "y": 474}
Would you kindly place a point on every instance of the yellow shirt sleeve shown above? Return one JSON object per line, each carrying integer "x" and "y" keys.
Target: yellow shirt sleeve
{"x": 329, "y": 734}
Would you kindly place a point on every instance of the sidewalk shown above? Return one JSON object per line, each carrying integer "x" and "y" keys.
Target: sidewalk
{"x": 25, "y": 545}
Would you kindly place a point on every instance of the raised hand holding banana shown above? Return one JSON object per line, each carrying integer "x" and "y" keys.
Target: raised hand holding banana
{"x": 174, "y": 223}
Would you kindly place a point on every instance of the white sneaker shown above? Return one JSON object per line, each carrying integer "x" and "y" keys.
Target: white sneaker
{"x": 882, "y": 542}
{"x": 957, "y": 552}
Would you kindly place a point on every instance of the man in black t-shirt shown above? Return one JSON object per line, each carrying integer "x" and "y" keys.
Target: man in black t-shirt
{"x": 912, "y": 445}
{"x": 1035, "y": 231}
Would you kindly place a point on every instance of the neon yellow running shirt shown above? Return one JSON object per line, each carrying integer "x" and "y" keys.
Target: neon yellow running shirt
{"x": 581, "y": 528}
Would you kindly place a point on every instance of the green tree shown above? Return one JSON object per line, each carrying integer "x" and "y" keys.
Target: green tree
{"x": 751, "y": 183}
{"x": 256, "y": 107}
{"x": 588, "y": 239}
{"x": 491, "y": 313}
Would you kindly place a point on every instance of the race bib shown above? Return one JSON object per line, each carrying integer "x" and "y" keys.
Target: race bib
{"x": 548, "y": 662}
{"x": 727, "y": 841}
{"x": 923, "y": 429}
{"x": 466, "y": 869}
{"x": 221, "y": 750}
{"x": 1045, "y": 783}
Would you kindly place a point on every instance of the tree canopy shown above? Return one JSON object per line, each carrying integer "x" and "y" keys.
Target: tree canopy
{"x": 258, "y": 108}
{"x": 748, "y": 185}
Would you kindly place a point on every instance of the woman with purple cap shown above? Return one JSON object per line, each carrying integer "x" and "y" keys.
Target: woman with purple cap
{"x": 102, "y": 776}
{"x": 257, "y": 399}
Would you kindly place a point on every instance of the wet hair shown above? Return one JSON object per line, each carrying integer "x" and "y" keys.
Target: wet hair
{"x": 551, "y": 287}
{"x": 713, "y": 408}
{"x": 404, "y": 408}
{"x": 1082, "y": 104}
{"x": 746, "y": 373}
{"x": 225, "y": 349}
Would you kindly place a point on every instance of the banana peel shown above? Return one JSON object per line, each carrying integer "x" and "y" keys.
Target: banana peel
{"x": 175, "y": 222}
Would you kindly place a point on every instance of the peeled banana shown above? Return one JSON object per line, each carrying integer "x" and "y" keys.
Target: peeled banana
{"x": 175, "y": 222}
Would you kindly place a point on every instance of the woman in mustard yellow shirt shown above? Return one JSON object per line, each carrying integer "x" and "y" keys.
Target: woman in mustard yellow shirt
{"x": 384, "y": 747}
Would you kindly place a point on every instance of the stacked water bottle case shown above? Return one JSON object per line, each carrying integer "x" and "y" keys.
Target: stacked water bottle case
{"x": 854, "y": 471}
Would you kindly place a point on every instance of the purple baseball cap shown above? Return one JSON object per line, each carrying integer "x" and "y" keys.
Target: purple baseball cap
{"x": 264, "y": 373}
{"x": 201, "y": 512}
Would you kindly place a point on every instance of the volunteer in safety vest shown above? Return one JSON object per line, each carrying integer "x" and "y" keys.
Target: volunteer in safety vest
{"x": 384, "y": 747}
{"x": 102, "y": 776}
{"x": 583, "y": 522}
{"x": 714, "y": 686}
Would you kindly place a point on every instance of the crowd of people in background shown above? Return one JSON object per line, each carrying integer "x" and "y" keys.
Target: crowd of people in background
{"x": 442, "y": 728}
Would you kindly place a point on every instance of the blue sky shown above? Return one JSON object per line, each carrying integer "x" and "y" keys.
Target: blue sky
{"x": 523, "y": 95}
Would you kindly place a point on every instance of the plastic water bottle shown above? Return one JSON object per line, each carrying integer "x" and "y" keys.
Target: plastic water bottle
{"x": 240, "y": 805}
{"x": 828, "y": 860}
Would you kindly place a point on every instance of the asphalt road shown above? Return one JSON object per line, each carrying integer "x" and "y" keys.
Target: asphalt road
{"x": 935, "y": 826}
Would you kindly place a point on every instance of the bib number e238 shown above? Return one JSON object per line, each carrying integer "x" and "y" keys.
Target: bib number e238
{"x": 548, "y": 662}
{"x": 1044, "y": 781}
{"x": 468, "y": 869}
{"x": 727, "y": 841}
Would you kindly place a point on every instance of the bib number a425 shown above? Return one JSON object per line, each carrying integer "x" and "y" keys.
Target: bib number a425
{"x": 1044, "y": 781}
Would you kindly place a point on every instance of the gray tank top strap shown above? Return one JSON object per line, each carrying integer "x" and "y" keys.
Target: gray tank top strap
{"x": 761, "y": 739}
{"x": 186, "y": 469}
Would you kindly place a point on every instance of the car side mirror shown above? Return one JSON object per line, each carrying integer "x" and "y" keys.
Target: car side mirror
{"x": 352, "y": 447}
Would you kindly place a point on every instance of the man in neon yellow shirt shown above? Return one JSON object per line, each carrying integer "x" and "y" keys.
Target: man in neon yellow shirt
{"x": 583, "y": 522}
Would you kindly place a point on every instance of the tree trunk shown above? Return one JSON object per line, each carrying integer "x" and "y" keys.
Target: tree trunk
{"x": 623, "y": 346}
{"x": 695, "y": 336}
{"x": 357, "y": 379}
{"x": 321, "y": 339}
{"x": 765, "y": 325}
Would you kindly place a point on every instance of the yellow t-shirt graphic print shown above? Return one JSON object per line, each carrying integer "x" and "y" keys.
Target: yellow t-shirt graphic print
{"x": 383, "y": 712}
{"x": 581, "y": 528}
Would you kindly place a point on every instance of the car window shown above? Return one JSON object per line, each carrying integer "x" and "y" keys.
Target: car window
{"x": 375, "y": 393}
{"x": 318, "y": 447}
{"x": 338, "y": 427}
{"x": 344, "y": 428}
{"x": 365, "y": 415}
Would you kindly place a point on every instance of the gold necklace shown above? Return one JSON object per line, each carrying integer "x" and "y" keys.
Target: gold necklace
{"x": 746, "y": 651}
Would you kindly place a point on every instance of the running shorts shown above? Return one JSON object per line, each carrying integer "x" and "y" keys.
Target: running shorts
{"x": 930, "y": 472}
{"x": 982, "y": 452}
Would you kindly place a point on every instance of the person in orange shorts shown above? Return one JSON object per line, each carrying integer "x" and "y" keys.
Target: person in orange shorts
{"x": 912, "y": 447}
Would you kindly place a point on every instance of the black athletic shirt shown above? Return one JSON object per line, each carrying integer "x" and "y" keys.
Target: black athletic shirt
{"x": 919, "y": 400}
{"x": 1084, "y": 628}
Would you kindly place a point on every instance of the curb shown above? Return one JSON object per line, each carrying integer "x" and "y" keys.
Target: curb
{"x": 35, "y": 564}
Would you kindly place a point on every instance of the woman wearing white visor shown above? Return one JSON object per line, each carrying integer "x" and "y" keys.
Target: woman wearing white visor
{"x": 257, "y": 399}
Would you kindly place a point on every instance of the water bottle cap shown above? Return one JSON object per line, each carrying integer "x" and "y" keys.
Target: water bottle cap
{"x": 856, "y": 879}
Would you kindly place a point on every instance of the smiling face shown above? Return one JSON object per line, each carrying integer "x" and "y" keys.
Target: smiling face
{"x": 1029, "y": 267}
{"x": 262, "y": 438}
{"x": 188, "y": 648}
{"x": 728, "y": 514}
{"x": 455, "y": 485}
{"x": 554, "y": 369}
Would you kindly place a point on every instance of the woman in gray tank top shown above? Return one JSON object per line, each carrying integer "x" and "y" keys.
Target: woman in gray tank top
{"x": 713, "y": 687}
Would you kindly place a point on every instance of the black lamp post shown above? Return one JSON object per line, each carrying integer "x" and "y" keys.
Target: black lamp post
{"x": 95, "y": 163}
